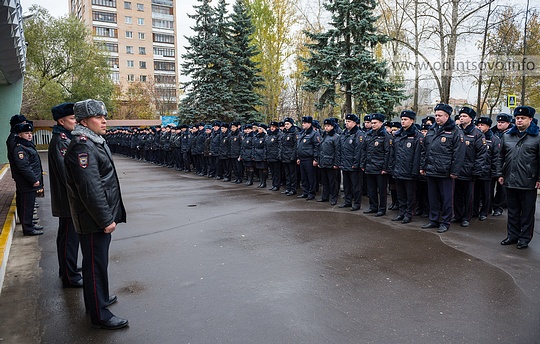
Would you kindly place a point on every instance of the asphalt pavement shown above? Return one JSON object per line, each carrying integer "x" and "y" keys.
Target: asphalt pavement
{"x": 203, "y": 261}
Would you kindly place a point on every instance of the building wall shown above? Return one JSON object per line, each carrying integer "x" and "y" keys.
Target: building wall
{"x": 11, "y": 100}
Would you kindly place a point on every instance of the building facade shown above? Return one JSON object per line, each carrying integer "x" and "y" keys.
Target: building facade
{"x": 140, "y": 38}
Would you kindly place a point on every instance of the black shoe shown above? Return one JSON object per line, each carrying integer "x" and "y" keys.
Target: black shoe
{"x": 370, "y": 211}
{"x": 38, "y": 227}
{"x": 406, "y": 220}
{"x": 454, "y": 220}
{"x": 226, "y": 180}
{"x": 345, "y": 205}
{"x": 274, "y": 188}
{"x": 32, "y": 232}
{"x": 219, "y": 178}
{"x": 482, "y": 217}
{"x": 380, "y": 213}
{"x": 239, "y": 181}
{"x": 332, "y": 203}
{"x": 508, "y": 241}
{"x": 393, "y": 206}
{"x": 112, "y": 299}
{"x": 464, "y": 223}
{"x": 291, "y": 193}
{"x": 442, "y": 229}
{"x": 497, "y": 213}
{"x": 113, "y": 323}
{"x": 521, "y": 245}
{"x": 285, "y": 191}
{"x": 430, "y": 225}
{"x": 76, "y": 284}
{"x": 355, "y": 208}
{"x": 398, "y": 218}
{"x": 310, "y": 197}
{"x": 322, "y": 200}
{"x": 302, "y": 196}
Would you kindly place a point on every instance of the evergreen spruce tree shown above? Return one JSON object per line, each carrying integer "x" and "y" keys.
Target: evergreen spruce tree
{"x": 343, "y": 57}
{"x": 246, "y": 72}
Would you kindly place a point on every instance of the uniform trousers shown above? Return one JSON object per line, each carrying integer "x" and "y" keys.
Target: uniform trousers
{"x": 25, "y": 209}
{"x": 290, "y": 175}
{"x": 309, "y": 176}
{"x": 440, "y": 195}
{"x": 224, "y": 168}
{"x": 212, "y": 165}
{"x": 521, "y": 209}
{"x": 275, "y": 170}
{"x": 377, "y": 185}
{"x": 498, "y": 195}
{"x": 463, "y": 197}
{"x": 238, "y": 168}
{"x": 330, "y": 188}
{"x": 186, "y": 159}
{"x": 67, "y": 247}
{"x": 406, "y": 197}
{"x": 95, "y": 252}
{"x": 352, "y": 187}
{"x": 482, "y": 197}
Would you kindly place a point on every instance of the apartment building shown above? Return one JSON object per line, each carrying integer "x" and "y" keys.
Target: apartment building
{"x": 140, "y": 36}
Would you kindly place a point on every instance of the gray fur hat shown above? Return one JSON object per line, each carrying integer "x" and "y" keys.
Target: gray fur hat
{"x": 89, "y": 108}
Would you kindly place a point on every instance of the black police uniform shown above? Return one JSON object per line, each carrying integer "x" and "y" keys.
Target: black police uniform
{"x": 307, "y": 152}
{"x": 287, "y": 155}
{"x": 351, "y": 148}
{"x": 328, "y": 161}
{"x": 484, "y": 185}
{"x": 272, "y": 142}
{"x": 375, "y": 161}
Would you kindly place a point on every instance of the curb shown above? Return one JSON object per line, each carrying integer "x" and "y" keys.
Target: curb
{"x": 7, "y": 234}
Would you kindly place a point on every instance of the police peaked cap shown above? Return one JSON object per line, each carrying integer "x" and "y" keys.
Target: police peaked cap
{"x": 62, "y": 110}
{"x": 408, "y": 113}
{"x": 329, "y": 121}
{"x": 524, "y": 111}
{"x": 504, "y": 117}
{"x": 468, "y": 111}
{"x": 444, "y": 107}
{"x": 377, "y": 116}
{"x": 16, "y": 119}
{"x": 307, "y": 119}
{"x": 22, "y": 128}
{"x": 352, "y": 117}
{"x": 484, "y": 120}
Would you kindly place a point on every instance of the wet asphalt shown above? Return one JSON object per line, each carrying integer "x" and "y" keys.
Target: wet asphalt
{"x": 203, "y": 261}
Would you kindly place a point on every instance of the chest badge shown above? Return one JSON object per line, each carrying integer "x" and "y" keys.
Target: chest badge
{"x": 443, "y": 139}
{"x": 409, "y": 145}
{"x": 376, "y": 143}
{"x": 305, "y": 140}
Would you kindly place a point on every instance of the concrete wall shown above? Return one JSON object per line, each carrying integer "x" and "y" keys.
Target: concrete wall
{"x": 10, "y": 104}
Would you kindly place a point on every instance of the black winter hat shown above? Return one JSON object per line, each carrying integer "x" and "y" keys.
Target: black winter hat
{"x": 22, "y": 128}
{"x": 352, "y": 117}
{"x": 62, "y": 110}
{"x": 484, "y": 120}
{"x": 377, "y": 116}
{"x": 468, "y": 111}
{"x": 504, "y": 117}
{"x": 16, "y": 119}
{"x": 444, "y": 107}
{"x": 307, "y": 119}
{"x": 524, "y": 111}
{"x": 408, "y": 113}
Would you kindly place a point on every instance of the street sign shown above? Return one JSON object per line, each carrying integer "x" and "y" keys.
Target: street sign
{"x": 511, "y": 101}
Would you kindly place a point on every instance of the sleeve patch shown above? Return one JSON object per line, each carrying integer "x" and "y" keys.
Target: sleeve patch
{"x": 21, "y": 155}
{"x": 63, "y": 151}
{"x": 83, "y": 160}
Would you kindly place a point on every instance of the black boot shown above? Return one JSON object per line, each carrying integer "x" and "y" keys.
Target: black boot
{"x": 249, "y": 178}
{"x": 264, "y": 176}
{"x": 261, "y": 174}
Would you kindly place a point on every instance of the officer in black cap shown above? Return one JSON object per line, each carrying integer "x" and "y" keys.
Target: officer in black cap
{"x": 307, "y": 155}
{"x": 504, "y": 124}
{"x": 288, "y": 143}
{"x": 215, "y": 140}
{"x": 367, "y": 123}
{"x": 235, "y": 141}
{"x": 351, "y": 147}
{"x": 187, "y": 138}
{"x": 67, "y": 240}
{"x": 272, "y": 144}
{"x": 328, "y": 161}
{"x": 224, "y": 166}
{"x": 246, "y": 153}
{"x": 473, "y": 166}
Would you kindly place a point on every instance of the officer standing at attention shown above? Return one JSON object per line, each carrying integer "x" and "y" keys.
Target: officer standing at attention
{"x": 473, "y": 166}
{"x": 351, "y": 146}
{"x": 272, "y": 154}
{"x": 287, "y": 152}
{"x": 307, "y": 153}
{"x": 442, "y": 159}
{"x": 376, "y": 164}
{"x": 67, "y": 240}
{"x": 499, "y": 194}
{"x": 96, "y": 206}
{"x": 28, "y": 176}
{"x": 328, "y": 162}
{"x": 520, "y": 174}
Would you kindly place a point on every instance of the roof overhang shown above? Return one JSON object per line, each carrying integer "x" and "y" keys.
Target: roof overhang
{"x": 12, "y": 43}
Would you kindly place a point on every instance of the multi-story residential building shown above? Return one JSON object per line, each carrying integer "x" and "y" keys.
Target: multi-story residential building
{"x": 140, "y": 36}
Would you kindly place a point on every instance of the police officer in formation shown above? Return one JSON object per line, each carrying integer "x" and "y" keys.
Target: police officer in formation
{"x": 351, "y": 150}
{"x": 307, "y": 154}
{"x": 328, "y": 162}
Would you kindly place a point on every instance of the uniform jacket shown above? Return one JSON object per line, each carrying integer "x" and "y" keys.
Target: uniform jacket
{"x": 444, "y": 150}
{"x": 259, "y": 148}
{"x": 225, "y": 146}
{"x": 165, "y": 141}
{"x": 474, "y": 163}
{"x": 215, "y": 141}
{"x": 93, "y": 187}
{"x": 493, "y": 145}
{"x": 246, "y": 152}
{"x": 308, "y": 144}
{"x": 197, "y": 147}
{"x": 376, "y": 154}
{"x": 520, "y": 158}
{"x": 26, "y": 166}
{"x": 176, "y": 140}
{"x": 351, "y": 146}
{"x": 236, "y": 144}
{"x": 287, "y": 147}
{"x": 186, "y": 141}
{"x": 406, "y": 153}
{"x": 272, "y": 145}
{"x": 57, "y": 171}
{"x": 329, "y": 150}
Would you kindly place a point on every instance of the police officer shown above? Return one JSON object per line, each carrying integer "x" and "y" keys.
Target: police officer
{"x": 520, "y": 174}
{"x": 96, "y": 206}
{"x": 67, "y": 240}
{"x": 215, "y": 140}
{"x": 472, "y": 168}
{"x": 246, "y": 153}
{"x": 351, "y": 147}
{"x": 272, "y": 154}
{"x": 28, "y": 176}
{"x": 328, "y": 162}
{"x": 236, "y": 145}
{"x": 504, "y": 124}
{"x": 288, "y": 143}
{"x": 307, "y": 152}
{"x": 376, "y": 164}
{"x": 442, "y": 159}
{"x": 405, "y": 157}
{"x": 224, "y": 166}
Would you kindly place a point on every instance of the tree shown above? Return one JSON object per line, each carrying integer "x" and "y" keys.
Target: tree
{"x": 62, "y": 64}
{"x": 342, "y": 61}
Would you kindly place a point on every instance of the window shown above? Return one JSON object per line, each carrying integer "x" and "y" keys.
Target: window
{"x": 129, "y": 20}
{"x": 129, "y": 34}
{"x": 140, "y": 7}
{"x": 130, "y": 63}
{"x": 162, "y": 24}
{"x": 165, "y": 52}
{"x": 166, "y": 92}
{"x": 142, "y": 51}
{"x": 130, "y": 77}
{"x": 104, "y": 16}
{"x": 161, "y": 38}
{"x": 127, "y": 5}
{"x": 142, "y": 64}
{"x": 115, "y": 77}
{"x": 142, "y": 78}
{"x": 161, "y": 65}
{"x": 162, "y": 10}
{"x": 113, "y": 62}
{"x": 140, "y": 21}
{"x": 163, "y": 2}
{"x": 105, "y": 46}
{"x": 105, "y": 32}
{"x": 129, "y": 49}
{"x": 165, "y": 79}
{"x": 106, "y": 3}
{"x": 142, "y": 35}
